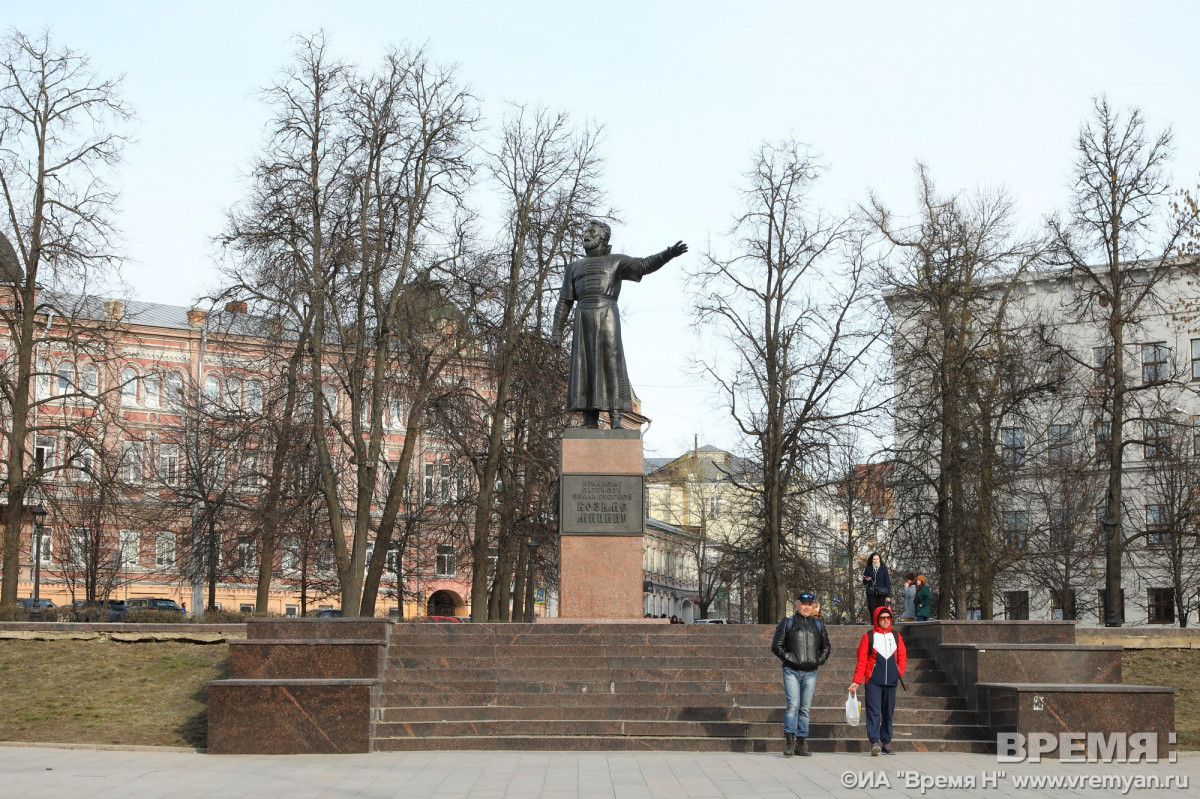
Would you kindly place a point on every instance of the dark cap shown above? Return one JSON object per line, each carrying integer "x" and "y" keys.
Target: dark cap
{"x": 806, "y": 596}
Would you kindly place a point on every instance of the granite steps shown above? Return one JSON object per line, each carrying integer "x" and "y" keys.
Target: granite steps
{"x": 627, "y": 687}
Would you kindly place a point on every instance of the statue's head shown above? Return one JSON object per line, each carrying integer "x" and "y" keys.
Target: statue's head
{"x": 595, "y": 238}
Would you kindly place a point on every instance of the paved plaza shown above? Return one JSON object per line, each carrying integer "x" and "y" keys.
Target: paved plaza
{"x": 45, "y": 771}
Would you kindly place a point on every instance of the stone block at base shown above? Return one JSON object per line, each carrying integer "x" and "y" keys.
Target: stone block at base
{"x": 290, "y": 717}
{"x": 601, "y": 577}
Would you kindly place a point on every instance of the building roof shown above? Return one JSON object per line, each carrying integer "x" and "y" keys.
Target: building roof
{"x": 707, "y": 463}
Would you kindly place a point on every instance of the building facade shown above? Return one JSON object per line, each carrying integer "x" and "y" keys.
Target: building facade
{"x": 152, "y": 450}
{"x": 1024, "y": 479}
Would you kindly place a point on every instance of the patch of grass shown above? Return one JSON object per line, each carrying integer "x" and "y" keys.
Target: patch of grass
{"x": 1178, "y": 668}
{"x": 105, "y": 692}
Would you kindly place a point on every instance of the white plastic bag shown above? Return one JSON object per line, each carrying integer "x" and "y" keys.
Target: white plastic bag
{"x": 852, "y": 714}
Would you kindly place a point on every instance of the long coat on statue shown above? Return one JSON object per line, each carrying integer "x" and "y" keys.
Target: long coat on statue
{"x": 598, "y": 379}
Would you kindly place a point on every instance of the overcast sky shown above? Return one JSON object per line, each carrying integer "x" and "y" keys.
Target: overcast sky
{"x": 985, "y": 94}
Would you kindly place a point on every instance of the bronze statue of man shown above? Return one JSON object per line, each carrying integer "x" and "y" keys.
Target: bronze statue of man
{"x": 598, "y": 379}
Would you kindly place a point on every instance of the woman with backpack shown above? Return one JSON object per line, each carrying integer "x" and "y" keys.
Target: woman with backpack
{"x": 881, "y": 662}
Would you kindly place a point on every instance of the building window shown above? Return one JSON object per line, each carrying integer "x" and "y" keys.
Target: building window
{"x": 247, "y": 555}
{"x": 1160, "y": 606}
{"x": 445, "y": 566}
{"x": 91, "y": 380}
{"x": 164, "y": 555}
{"x": 1102, "y": 365}
{"x": 248, "y": 474}
{"x": 131, "y": 462}
{"x": 394, "y": 561}
{"x": 1012, "y": 445}
{"x": 64, "y": 381}
{"x": 1016, "y": 528}
{"x": 1155, "y": 358}
{"x": 460, "y": 484}
{"x": 1062, "y": 535}
{"x": 1157, "y": 442}
{"x": 1016, "y": 605}
{"x": 1103, "y": 605}
{"x": 289, "y": 561}
{"x": 444, "y": 484}
{"x": 212, "y": 388}
{"x": 1196, "y": 359}
{"x": 233, "y": 394}
{"x": 1060, "y": 444}
{"x": 1158, "y": 524}
{"x": 245, "y": 608}
{"x": 79, "y": 545}
{"x": 714, "y": 507}
{"x": 82, "y": 460}
{"x": 174, "y": 390}
{"x": 42, "y": 379}
{"x": 291, "y": 610}
{"x": 131, "y": 546}
{"x": 151, "y": 388}
{"x": 429, "y": 484}
{"x": 1196, "y": 435}
{"x": 43, "y": 452}
{"x": 129, "y": 387}
{"x": 254, "y": 396}
{"x": 1103, "y": 440}
{"x": 168, "y": 463}
{"x": 1062, "y": 604}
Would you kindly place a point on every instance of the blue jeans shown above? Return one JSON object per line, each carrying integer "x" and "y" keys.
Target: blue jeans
{"x": 798, "y": 687}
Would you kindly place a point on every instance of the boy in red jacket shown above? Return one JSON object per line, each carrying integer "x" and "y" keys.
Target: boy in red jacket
{"x": 881, "y": 662}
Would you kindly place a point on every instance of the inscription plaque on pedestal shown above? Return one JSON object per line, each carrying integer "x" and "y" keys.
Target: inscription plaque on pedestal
{"x": 600, "y": 504}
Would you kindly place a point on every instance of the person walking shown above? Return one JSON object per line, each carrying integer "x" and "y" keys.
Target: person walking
{"x": 877, "y": 583}
{"x": 880, "y": 666}
{"x": 922, "y": 599}
{"x": 801, "y": 642}
{"x": 910, "y": 595}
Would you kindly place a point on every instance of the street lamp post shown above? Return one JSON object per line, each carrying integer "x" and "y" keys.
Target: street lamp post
{"x": 1111, "y": 564}
{"x": 533, "y": 545}
{"x": 38, "y": 513}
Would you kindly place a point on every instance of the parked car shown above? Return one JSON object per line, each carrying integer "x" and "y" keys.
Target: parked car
{"x": 38, "y": 609}
{"x": 152, "y": 603}
{"x": 108, "y": 610}
{"x": 711, "y": 621}
{"x": 326, "y": 613}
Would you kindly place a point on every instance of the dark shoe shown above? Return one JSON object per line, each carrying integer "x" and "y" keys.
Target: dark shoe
{"x": 888, "y": 750}
{"x": 875, "y": 749}
{"x": 789, "y": 744}
{"x": 801, "y": 749}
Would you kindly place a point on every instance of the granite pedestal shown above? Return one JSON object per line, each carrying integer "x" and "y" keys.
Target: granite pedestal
{"x": 601, "y": 522}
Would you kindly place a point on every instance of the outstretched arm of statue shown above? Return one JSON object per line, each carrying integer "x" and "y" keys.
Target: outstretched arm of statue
{"x": 675, "y": 250}
{"x": 646, "y": 266}
{"x": 561, "y": 312}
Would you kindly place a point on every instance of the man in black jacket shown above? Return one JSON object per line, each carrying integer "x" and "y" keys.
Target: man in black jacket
{"x": 802, "y": 643}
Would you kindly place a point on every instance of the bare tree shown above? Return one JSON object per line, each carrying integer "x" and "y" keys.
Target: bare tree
{"x": 354, "y": 213}
{"x": 951, "y": 275}
{"x": 1118, "y": 242}
{"x": 548, "y": 172}
{"x": 792, "y": 305}
{"x": 57, "y": 141}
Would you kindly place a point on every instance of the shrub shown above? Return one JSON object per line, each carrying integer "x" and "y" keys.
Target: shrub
{"x": 220, "y": 617}
{"x": 13, "y": 613}
{"x": 156, "y": 617}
